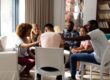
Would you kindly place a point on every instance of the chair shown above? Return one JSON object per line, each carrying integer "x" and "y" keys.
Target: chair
{"x": 8, "y": 65}
{"x": 66, "y": 55}
{"x": 49, "y": 62}
{"x": 105, "y": 63}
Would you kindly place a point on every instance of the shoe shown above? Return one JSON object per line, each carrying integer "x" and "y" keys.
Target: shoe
{"x": 70, "y": 78}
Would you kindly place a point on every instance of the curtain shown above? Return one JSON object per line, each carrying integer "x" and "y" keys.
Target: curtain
{"x": 39, "y": 12}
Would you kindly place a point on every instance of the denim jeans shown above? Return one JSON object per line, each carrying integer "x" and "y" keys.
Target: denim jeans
{"x": 80, "y": 57}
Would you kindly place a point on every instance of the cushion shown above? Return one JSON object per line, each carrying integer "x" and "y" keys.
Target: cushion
{"x": 3, "y": 40}
{"x": 11, "y": 41}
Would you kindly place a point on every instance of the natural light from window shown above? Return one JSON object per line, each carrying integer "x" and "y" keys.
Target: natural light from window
{"x": 21, "y": 11}
{"x": 6, "y": 17}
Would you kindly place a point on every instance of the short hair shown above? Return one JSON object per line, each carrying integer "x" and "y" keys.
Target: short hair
{"x": 93, "y": 23}
{"x": 50, "y": 27}
{"x": 71, "y": 23}
{"x": 22, "y": 29}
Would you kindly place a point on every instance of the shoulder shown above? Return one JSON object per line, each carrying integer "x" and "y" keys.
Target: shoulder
{"x": 94, "y": 32}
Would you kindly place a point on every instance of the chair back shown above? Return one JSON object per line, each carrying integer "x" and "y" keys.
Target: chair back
{"x": 105, "y": 62}
{"x": 8, "y": 61}
{"x": 9, "y": 65}
{"x": 49, "y": 57}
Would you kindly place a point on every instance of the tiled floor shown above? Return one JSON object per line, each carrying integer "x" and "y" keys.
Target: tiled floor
{"x": 95, "y": 76}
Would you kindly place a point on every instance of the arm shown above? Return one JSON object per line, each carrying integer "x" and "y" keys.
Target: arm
{"x": 80, "y": 38}
{"x": 78, "y": 49}
{"x": 85, "y": 46}
{"x": 27, "y": 45}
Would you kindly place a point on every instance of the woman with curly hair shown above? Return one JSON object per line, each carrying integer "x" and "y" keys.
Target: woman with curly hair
{"x": 25, "y": 56}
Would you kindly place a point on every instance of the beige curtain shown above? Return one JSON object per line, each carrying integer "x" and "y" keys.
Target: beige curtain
{"x": 39, "y": 11}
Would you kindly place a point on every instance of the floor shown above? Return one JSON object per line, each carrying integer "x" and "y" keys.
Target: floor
{"x": 95, "y": 76}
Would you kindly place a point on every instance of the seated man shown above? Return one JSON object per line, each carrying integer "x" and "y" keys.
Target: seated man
{"x": 69, "y": 32}
{"x": 49, "y": 38}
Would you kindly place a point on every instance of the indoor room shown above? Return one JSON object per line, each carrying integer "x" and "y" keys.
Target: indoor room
{"x": 54, "y": 39}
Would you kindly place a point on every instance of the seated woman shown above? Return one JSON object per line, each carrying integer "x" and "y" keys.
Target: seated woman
{"x": 35, "y": 33}
{"x": 23, "y": 31}
{"x": 85, "y": 46}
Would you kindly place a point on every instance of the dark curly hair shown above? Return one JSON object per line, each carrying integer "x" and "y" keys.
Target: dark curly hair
{"x": 22, "y": 29}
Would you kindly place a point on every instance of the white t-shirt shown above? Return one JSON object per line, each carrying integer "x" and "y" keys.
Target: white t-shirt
{"x": 22, "y": 52}
{"x": 99, "y": 43}
{"x": 50, "y": 39}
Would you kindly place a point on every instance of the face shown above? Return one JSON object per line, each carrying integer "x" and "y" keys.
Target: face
{"x": 36, "y": 29}
{"x": 82, "y": 32}
{"x": 90, "y": 26}
{"x": 67, "y": 25}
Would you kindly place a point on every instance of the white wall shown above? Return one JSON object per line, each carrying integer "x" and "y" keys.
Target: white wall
{"x": 59, "y": 12}
{"x": 89, "y": 12}
{"x": 90, "y": 7}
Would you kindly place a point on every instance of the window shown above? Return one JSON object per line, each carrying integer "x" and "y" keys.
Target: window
{"x": 9, "y": 14}
{"x": 21, "y": 11}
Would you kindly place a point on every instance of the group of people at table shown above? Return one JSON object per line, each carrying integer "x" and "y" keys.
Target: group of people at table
{"x": 86, "y": 45}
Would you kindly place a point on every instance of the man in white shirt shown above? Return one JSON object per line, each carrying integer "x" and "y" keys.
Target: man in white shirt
{"x": 99, "y": 43}
{"x": 49, "y": 38}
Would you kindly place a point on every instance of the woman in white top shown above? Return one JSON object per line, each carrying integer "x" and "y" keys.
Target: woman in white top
{"x": 23, "y": 31}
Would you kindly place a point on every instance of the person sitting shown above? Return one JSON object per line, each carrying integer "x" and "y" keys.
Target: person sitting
{"x": 85, "y": 47}
{"x": 49, "y": 38}
{"x": 69, "y": 32}
{"x": 23, "y": 44}
{"x": 35, "y": 33}
{"x": 99, "y": 43}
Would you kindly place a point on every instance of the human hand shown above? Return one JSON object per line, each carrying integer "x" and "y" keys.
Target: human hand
{"x": 75, "y": 50}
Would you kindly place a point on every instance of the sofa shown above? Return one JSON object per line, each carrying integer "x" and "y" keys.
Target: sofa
{"x": 7, "y": 43}
{"x": 8, "y": 58}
